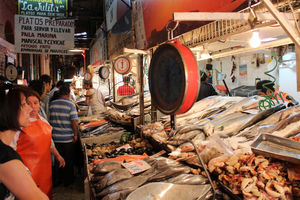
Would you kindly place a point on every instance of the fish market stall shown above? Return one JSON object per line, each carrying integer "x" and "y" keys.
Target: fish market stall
{"x": 225, "y": 147}
{"x": 127, "y": 111}
{"x": 96, "y": 129}
{"x": 223, "y": 130}
{"x": 131, "y": 176}
{"x": 101, "y": 139}
{"x": 118, "y": 176}
{"x": 108, "y": 176}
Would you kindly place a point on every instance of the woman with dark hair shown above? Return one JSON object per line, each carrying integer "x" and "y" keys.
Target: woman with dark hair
{"x": 15, "y": 180}
{"x": 34, "y": 144}
{"x": 39, "y": 87}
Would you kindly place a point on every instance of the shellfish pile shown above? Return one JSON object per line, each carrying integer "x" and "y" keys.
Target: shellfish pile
{"x": 254, "y": 177}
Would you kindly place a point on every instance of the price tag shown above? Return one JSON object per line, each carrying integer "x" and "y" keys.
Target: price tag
{"x": 136, "y": 166}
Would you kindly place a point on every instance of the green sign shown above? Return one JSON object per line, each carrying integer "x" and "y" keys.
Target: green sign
{"x": 44, "y": 8}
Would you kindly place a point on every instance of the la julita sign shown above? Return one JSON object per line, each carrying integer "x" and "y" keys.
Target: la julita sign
{"x": 44, "y": 8}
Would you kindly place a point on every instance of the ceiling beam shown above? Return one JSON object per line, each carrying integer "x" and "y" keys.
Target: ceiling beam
{"x": 211, "y": 16}
{"x": 291, "y": 31}
{"x": 275, "y": 43}
{"x": 284, "y": 22}
{"x": 137, "y": 51}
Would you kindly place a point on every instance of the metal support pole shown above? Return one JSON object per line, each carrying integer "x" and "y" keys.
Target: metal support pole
{"x": 173, "y": 122}
{"x": 153, "y": 113}
{"x": 226, "y": 88}
{"x": 113, "y": 84}
{"x": 141, "y": 77}
{"x": 298, "y": 67}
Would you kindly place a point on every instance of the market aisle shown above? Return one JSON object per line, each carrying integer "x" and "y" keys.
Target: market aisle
{"x": 74, "y": 191}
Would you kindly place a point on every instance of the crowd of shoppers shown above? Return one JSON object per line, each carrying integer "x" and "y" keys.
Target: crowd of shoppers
{"x": 31, "y": 129}
{"x": 15, "y": 179}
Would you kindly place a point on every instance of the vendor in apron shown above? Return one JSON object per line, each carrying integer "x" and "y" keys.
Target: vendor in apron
{"x": 34, "y": 144}
{"x": 94, "y": 99}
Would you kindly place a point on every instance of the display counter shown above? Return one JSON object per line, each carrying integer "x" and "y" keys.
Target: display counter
{"x": 222, "y": 130}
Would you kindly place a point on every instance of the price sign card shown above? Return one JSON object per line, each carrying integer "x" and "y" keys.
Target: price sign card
{"x": 136, "y": 166}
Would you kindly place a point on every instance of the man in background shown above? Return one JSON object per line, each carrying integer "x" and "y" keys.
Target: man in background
{"x": 46, "y": 79}
{"x": 56, "y": 88}
{"x": 64, "y": 121}
{"x": 206, "y": 89}
{"x": 126, "y": 89}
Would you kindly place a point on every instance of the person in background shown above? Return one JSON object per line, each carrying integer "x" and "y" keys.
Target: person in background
{"x": 34, "y": 144}
{"x": 125, "y": 90}
{"x": 39, "y": 87}
{"x": 266, "y": 88}
{"x": 206, "y": 89}
{"x": 64, "y": 119}
{"x": 2, "y": 80}
{"x": 46, "y": 79}
{"x": 56, "y": 88}
{"x": 94, "y": 99}
{"x": 15, "y": 180}
{"x": 4, "y": 85}
{"x": 73, "y": 96}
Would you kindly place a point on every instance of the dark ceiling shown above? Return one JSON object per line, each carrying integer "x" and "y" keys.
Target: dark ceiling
{"x": 88, "y": 16}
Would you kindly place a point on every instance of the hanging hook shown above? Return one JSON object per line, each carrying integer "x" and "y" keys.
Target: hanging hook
{"x": 171, "y": 29}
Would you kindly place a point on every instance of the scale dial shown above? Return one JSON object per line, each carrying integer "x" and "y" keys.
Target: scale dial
{"x": 123, "y": 65}
{"x": 87, "y": 76}
{"x": 11, "y": 73}
{"x": 104, "y": 72}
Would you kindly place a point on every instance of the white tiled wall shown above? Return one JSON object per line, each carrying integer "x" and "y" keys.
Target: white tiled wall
{"x": 285, "y": 77}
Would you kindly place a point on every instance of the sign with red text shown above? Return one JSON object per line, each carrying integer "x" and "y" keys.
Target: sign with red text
{"x": 43, "y": 35}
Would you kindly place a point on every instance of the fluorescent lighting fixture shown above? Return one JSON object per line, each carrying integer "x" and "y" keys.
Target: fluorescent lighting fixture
{"x": 268, "y": 39}
{"x": 205, "y": 54}
{"x": 75, "y": 50}
{"x": 68, "y": 80}
{"x": 80, "y": 34}
{"x": 80, "y": 39}
{"x": 255, "y": 40}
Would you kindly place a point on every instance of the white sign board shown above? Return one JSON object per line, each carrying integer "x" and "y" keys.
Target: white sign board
{"x": 111, "y": 13}
{"x": 43, "y": 35}
{"x": 136, "y": 166}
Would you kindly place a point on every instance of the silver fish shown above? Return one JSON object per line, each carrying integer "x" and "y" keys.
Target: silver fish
{"x": 220, "y": 124}
{"x": 284, "y": 123}
{"x": 290, "y": 130}
{"x": 189, "y": 179}
{"x": 268, "y": 124}
{"x": 112, "y": 177}
{"x": 247, "y": 103}
{"x": 131, "y": 183}
{"x": 180, "y": 138}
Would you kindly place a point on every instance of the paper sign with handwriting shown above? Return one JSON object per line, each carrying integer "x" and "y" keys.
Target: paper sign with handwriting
{"x": 136, "y": 166}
